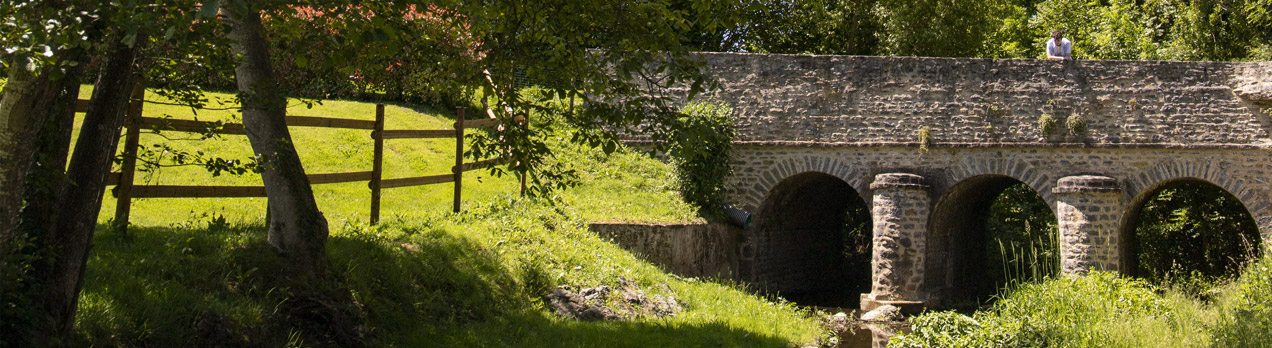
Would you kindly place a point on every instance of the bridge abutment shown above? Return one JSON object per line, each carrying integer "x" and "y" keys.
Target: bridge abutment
{"x": 901, "y": 206}
{"x": 1088, "y": 210}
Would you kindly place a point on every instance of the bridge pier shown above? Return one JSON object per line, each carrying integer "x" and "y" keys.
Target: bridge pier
{"x": 901, "y": 206}
{"x": 1088, "y": 210}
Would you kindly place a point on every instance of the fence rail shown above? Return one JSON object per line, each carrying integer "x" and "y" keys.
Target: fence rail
{"x": 125, "y": 188}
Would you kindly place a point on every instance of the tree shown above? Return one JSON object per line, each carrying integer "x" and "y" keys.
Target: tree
{"x": 44, "y": 66}
{"x": 817, "y": 27}
{"x": 44, "y": 266}
{"x": 1193, "y": 233}
{"x": 47, "y": 49}
{"x": 941, "y": 28}
{"x": 1215, "y": 29}
{"x": 297, "y": 229}
{"x": 618, "y": 59}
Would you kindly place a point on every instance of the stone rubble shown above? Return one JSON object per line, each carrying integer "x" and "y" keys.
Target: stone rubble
{"x": 593, "y": 303}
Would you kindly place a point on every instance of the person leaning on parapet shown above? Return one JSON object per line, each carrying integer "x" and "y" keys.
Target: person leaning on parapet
{"x": 1059, "y": 48}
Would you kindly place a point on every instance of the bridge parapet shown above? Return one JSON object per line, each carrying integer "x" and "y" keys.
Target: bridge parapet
{"x": 853, "y": 100}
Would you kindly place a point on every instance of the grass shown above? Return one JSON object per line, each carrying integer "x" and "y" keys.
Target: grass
{"x": 190, "y": 271}
{"x": 1104, "y": 310}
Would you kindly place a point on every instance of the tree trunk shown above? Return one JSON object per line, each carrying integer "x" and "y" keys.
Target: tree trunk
{"x": 35, "y": 117}
{"x": 47, "y": 176}
{"x": 80, "y": 200}
{"x": 297, "y": 229}
{"x": 28, "y": 104}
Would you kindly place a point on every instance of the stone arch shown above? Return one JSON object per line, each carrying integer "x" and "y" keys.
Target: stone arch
{"x": 1039, "y": 180}
{"x": 798, "y": 244}
{"x": 956, "y": 256}
{"x": 1252, "y": 195}
{"x": 752, "y": 198}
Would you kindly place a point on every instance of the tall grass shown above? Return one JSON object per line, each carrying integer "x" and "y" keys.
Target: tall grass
{"x": 1028, "y": 262}
{"x": 1096, "y": 310}
{"x": 1104, "y": 310}
{"x": 1246, "y": 319}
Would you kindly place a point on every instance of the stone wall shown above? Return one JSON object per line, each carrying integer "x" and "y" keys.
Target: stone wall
{"x": 690, "y": 250}
{"x": 983, "y": 102}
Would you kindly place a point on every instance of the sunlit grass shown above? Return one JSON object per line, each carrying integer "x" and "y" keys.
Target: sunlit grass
{"x": 423, "y": 277}
{"x": 1104, "y": 310}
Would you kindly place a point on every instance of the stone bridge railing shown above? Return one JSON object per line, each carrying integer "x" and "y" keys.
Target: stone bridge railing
{"x": 794, "y": 99}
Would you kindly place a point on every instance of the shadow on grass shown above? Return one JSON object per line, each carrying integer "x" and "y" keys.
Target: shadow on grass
{"x": 207, "y": 286}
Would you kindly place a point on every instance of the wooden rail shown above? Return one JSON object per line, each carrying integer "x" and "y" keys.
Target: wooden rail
{"x": 125, "y": 188}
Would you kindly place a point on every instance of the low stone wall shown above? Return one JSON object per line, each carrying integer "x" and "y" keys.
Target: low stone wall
{"x": 690, "y": 250}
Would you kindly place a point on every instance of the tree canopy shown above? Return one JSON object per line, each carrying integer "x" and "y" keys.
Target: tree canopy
{"x": 1108, "y": 29}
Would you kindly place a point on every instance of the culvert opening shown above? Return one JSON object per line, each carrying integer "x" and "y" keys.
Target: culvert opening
{"x": 815, "y": 232}
{"x": 987, "y": 234}
{"x": 1190, "y": 234}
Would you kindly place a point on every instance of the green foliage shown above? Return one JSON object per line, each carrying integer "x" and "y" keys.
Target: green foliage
{"x": 616, "y": 60}
{"x": 1046, "y": 125}
{"x": 1248, "y": 315}
{"x": 1115, "y": 29}
{"x": 1102, "y": 310}
{"x": 702, "y": 150}
{"x": 1021, "y": 237}
{"x": 938, "y": 27}
{"x": 858, "y": 244}
{"x": 1215, "y": 29}
{"x": 1193, "y": 234}
{"x": 1096, "y": 310}
{"x": 722, "y": 25}
{"x": 951, "y": 329}
{"x": 1013, "y": 38}
{"x": 815, "y": 26}
{"x": 18, "y": 288}
{"x": 424, "y": 276}
{"x": 1123, "y": 29}
{"x": 1076, "y": 125}
{"x": 925, "y": 138}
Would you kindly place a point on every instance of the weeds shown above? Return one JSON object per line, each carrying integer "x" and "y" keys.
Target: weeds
{"x": 1046, "y": 126}
{"x": 1076, "y": 124}
{"x": 925, "y": 139}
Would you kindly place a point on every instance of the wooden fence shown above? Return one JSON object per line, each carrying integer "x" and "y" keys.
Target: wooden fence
{"x": 125, "y": 188}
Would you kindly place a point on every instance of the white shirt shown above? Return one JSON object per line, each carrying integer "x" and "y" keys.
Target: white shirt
{"x": 1064, "y": 50}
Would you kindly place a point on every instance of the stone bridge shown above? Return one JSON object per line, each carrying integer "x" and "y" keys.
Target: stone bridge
{"x": 928, "y": 143}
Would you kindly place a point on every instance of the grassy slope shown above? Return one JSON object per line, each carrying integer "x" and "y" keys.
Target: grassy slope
{"x": 425, "y": 276}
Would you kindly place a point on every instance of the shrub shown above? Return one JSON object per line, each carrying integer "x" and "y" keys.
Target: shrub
{"x": 701, "y": 148}
{"x": 1193, "y": 235}
{"x": 1046, "y": 125}
{"x": 1076, "y": 124}
{"x": 925, "y": 138}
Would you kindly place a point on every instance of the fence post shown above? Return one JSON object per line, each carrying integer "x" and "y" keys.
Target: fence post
{"x": 526, "y": 125}
{"x": 459, "y": 155}
{"x": 127, "y": 170}
{"x": 377, "y": 164}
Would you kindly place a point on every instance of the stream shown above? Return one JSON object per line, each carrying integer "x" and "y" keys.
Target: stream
{"x": 858, "y": 334}
{"x": 862, "y": 335}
